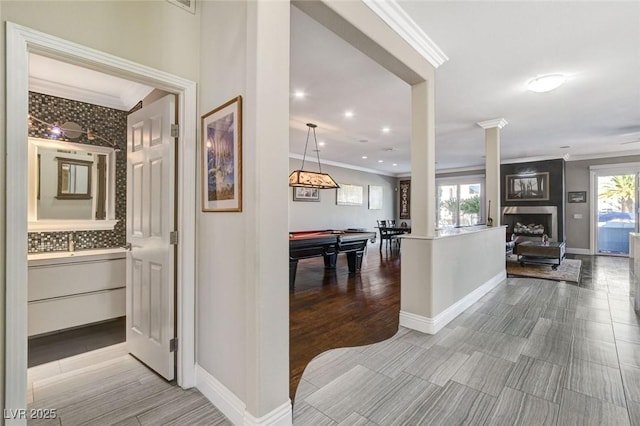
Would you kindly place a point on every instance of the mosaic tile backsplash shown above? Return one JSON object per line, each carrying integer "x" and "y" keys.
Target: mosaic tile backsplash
{"x": 108, "y": 123}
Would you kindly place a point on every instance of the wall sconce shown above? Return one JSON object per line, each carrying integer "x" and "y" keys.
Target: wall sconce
{"x": 71, "y": 130}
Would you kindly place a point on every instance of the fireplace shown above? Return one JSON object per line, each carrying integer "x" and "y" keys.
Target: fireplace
{"x": 532, "y": 221}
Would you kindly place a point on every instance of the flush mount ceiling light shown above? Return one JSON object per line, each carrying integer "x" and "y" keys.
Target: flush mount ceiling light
{"x": 307, "y": 179}
{"x": 546, "y": 83}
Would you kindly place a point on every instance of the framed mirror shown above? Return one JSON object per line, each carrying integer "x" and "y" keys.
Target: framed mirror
{"x": 74, "y": 179}
{"x": 71, "y": 186}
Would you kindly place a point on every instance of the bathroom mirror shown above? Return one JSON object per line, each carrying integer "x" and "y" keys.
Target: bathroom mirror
{"x": 74, "y": 179}
{"x": 71, "y": 186}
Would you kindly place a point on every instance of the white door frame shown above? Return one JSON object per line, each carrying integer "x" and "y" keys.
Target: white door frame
{"x": 594, "y": 172}
{"x": 20, "y": 41}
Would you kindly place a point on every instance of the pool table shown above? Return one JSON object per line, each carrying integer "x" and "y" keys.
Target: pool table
{"x": 328, "y": 243}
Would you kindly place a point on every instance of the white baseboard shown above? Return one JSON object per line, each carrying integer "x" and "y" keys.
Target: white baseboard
{"x": 234, "y": 408}
{"x": 281, "y": 416}
{"x": 570, "y": 250}
{"x": 220, "y": 396}
{"x": 417, "y": 322}
{"x": 433, "y": 325}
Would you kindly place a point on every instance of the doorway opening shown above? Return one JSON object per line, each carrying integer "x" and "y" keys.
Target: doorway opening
{"x": 85, "y": 289}
{"x": 21, "y": 42}
{"x": 615, "y": 208}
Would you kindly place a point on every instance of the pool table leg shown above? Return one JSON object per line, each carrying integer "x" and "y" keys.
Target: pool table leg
{"x": 293, "y": 267}
{"x": 354, "y": 260}
{"x": 330, "y": 260}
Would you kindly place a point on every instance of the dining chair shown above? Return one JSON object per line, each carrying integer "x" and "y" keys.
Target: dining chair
{"x": 387, "y": 235}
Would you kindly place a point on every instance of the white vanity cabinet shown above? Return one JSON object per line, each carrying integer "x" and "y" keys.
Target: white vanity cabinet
{"x": 71, "y": 289}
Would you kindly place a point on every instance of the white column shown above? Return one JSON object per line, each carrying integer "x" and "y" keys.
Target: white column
{"x": 267, "y": 124}
{"x": 423, "y": 166}
{"x": 492, "y": 168}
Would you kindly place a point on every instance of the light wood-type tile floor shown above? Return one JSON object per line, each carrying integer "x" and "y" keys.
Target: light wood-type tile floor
{"x": 530, "y": 352}
{"x": 107, "y": 387}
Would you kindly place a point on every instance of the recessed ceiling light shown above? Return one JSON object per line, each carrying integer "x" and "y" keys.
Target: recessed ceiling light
{"x": 380, "y": 161}
{"x": 565, "y": 146}
{"x": 299, "y": 94}
{"x": 395, "y": 164}
{"x": 321, "y": 143}
{"x": 364, "y": 157}
{"x": 348, "y": 114}
{"x": 546, "y": 83}
{"x": 386, "y": 130}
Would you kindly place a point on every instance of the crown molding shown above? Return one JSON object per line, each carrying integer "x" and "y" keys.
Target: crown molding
{"x": 134, "y": 92}
{"x": 477, "y": 168}
{"x": 538, "y": 158}
{"x": 400, "y": 21}
{"x": 60, "y": 90}
{"x": 490, "y": 124}
{"x": 626, "y": 153}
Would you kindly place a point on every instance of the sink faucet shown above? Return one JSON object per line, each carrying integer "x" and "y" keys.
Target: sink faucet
{"x": 71, "y": 242}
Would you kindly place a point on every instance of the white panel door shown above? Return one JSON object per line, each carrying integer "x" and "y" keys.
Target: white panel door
{"x": 150, "y": 220}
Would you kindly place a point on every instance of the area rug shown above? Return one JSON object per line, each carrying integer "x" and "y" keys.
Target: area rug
{"x": 569, "y": 270}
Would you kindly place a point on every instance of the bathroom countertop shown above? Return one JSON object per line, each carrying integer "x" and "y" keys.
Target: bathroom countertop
{"x": 57, "y": 257}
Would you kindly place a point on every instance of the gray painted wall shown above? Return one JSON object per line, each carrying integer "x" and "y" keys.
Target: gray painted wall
{"x": 325, "y": 214}
{"x": 578, "y": 231}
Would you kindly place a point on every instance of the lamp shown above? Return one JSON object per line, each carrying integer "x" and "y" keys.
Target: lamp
{"x": 72, "y": 131}
{"x": 307, "y": 179}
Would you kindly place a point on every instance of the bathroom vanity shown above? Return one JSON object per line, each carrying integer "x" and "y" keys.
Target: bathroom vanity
{"x": 70, "y": 289}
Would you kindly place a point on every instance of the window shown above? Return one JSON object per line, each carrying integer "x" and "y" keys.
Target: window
{"x": 459, "y": 201}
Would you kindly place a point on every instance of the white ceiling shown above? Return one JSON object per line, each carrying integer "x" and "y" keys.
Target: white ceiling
{"x": 493, "y": 49}
{"x": 68, "y": 81}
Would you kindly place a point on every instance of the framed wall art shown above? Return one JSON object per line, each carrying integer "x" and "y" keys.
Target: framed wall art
{"x": 349, "y": 195}
{"x": 222, "y": 158}
{"x": 306, "y": 194}
{"x": 527, "y": 187}
{"x": 405, "y": 199}
{"x": 577, "y": 197}
{"x": 375, "y": 197}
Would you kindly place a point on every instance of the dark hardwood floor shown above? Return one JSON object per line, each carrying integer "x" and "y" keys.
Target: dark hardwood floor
{"x": 332, "y": 309}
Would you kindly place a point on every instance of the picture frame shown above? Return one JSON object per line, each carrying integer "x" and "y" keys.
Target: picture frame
{"x": 221, "y": 141}
{"x": 577, "y": 197}
{"x": 306, "y": 194}
{"x": 349, "y": 195}
{"x": 405, "y": 199}
{"x": 375, "y": 197}
{"x": 527, "y": 187}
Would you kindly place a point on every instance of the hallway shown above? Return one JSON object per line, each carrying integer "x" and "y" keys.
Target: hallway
{"x": 529, "y": 352}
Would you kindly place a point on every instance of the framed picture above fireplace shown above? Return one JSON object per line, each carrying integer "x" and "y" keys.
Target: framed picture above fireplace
{"x": 528, "y": 187}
